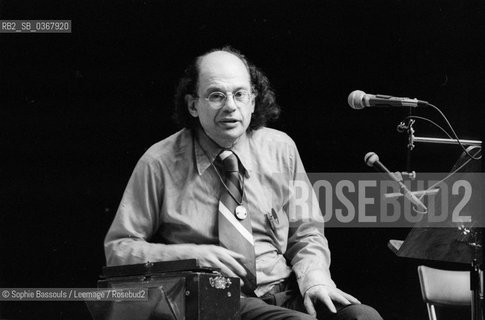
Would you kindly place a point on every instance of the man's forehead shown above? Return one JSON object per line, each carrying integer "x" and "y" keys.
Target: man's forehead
{"x": 222, "y": 63}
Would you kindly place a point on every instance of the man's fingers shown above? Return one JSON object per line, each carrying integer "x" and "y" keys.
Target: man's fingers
{"x": 339, "y": 298}
{"x": 326, "y": 296}
{"x": 229, "y": 258}
{"x": 326, "y": 300}
{"x": 310, "y": 308}
{"x": 236, "y": 255}
{"x": 225, "y": 270}
{"x": 352, "y": 299}
{"x": 225, "y": 260}
{"x": 235, "y": 266}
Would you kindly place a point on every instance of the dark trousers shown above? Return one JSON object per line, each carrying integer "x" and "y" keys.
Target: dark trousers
{"x": 286, "y": 303}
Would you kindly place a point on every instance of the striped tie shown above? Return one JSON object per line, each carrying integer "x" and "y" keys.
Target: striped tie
{"x": 234, "y": 233}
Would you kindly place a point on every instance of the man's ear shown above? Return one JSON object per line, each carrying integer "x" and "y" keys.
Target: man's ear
{"x": 253, "y": 103}
{"x": 190, "y": 101}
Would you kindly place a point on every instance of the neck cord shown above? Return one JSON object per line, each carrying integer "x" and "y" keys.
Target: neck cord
{"x": 222, "y": 180}
{"x": 225, "y": 186}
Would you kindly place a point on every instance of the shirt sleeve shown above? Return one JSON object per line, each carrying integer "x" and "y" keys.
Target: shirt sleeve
{"x": 137, "y": 218}
{"x": 308, "y": 252}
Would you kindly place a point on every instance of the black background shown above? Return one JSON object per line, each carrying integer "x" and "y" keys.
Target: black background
{"x": 78, "y": 110}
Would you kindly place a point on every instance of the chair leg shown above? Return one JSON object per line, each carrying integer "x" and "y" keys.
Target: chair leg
{"x": 431, "y": 311}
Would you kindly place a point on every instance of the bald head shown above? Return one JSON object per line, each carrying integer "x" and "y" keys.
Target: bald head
{"x": 221, "y": 64}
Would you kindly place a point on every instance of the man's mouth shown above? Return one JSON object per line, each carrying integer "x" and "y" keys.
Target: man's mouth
{"x": 229, "y": 120}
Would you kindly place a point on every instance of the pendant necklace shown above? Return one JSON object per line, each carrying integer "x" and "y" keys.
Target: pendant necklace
{"x": 240, "y": 211}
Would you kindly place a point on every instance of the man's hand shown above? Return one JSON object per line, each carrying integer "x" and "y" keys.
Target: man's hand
{"x": 326, "y": 295}
{"x": 215, "y": 256}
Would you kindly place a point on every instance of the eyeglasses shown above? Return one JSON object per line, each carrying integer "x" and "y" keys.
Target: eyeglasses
{"x": 218, "y": 99}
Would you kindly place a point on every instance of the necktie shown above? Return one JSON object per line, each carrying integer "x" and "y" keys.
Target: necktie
{"x": 235, "y": 232}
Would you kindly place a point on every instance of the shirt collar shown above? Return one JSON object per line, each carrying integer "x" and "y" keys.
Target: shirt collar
{"x": 206, "y": 151}
{"x": 242, "y": 151}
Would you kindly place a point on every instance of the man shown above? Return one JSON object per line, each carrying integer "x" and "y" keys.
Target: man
{"x": 174, "y": 196}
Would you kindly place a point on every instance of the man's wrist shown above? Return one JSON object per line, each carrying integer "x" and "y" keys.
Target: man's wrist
{"x": 314, "y": 278}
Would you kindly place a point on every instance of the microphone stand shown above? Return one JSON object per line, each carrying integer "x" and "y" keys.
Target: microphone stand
{"x": 447, "y": 141}
{"x": 476, "y": 270}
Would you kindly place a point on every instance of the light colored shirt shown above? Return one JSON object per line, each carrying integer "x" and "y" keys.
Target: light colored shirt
{"x": 173, "y": 194}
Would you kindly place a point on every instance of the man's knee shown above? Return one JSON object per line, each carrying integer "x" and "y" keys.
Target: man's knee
{"x": 253, "y": 308}
{"x": 358, "y": 312}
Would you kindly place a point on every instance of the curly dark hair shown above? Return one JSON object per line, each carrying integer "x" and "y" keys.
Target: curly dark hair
{"x": 265, "y": 108}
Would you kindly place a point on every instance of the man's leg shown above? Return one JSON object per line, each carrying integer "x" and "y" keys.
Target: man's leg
{"x": 292, "y": 299}
{"x": 349, "y": 312}
{"x": 257, "y": 309}
{"x": 285, "y": 302}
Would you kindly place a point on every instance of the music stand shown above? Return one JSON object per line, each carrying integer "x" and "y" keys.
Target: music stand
{"x": 450, "y": 242}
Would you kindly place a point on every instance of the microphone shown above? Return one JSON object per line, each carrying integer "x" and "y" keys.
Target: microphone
{"x": 372, "y": 160}
{"x": 359, "y": 100}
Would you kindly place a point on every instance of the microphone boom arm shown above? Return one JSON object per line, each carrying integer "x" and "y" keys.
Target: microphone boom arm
{"x": 447, "y": 141}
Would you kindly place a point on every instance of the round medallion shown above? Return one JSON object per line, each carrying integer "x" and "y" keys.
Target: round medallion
{"x": 241, "y": 212}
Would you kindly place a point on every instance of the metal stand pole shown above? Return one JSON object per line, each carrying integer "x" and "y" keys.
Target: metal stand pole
{"x": 477, "y": 293}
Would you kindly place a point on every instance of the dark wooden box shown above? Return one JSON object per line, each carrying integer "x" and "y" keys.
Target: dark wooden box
{"x": 176, "y": 290}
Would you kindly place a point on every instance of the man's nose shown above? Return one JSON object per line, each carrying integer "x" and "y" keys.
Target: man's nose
{"x": 230, "y": 104}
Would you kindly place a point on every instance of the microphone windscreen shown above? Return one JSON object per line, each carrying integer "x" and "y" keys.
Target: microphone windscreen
{"x": 355, "y": 99}
{"x": 370, "y": 158}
